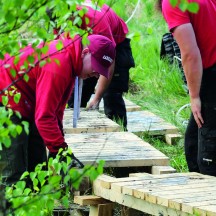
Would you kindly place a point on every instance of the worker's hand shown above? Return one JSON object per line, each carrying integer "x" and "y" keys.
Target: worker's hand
{"x": 196, "y": 110}
{"x": 93, "y": 104}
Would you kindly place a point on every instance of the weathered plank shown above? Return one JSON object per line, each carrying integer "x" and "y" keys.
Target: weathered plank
{"x": 177, "y": 193}
{"x": 119, "y": 149}
{"x": 88, "y": 122}
{"x": 146, "y": 122}
{"x": 130, "y": 106}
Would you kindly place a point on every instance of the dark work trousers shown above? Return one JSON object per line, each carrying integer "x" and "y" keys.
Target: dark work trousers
{"x": 206, "y": 139}
{"x": 114, "y": 107}
{"x": 191, "y": 145}
{"x": 25, "y": 152}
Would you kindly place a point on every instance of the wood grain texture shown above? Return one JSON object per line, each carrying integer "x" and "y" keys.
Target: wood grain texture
{"x": 167, "y": 194}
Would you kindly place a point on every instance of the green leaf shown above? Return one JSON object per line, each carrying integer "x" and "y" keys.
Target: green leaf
{"x": 30, "y": 59}
{"x": 26, "y": 77}
{"x": 41, "y": 176}
{"x": 45, "y": 49}
{"x": 65, "y": 201}
{"x": 77, "y": 21}
{"x": 13, "y": 72}
{"x": 57, "y": 61}
{"x": 193, "y": 7}
{"x": 9, "y": 17}
{"x": 16, "y": 60}
{"x": 27, "y": 191}
{"x": 42, "y": 63}
{"x": 50, "y": 204}
{"x": 1, "y": 55}
{"x": 33, "y": 175}
{"x": 173, "y": 2}
{"x": 17, "y": 97}
{"x": 183, "y": 6}
{"x": 53, "y": 180}
{"x": 21, "y": 185}
{"x": 26, "y": 126}
{"x": 59, "y": 45}
{"x": 4, "y": 100}
{"x": 26, "y": 173}
{"x": 6, "y": 141}
{"x": 19, "y": 129}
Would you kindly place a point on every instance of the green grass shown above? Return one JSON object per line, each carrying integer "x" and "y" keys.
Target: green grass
{"x": 155, "y": 85}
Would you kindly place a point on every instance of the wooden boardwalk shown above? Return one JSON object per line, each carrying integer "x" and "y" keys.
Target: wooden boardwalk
{"x": 167, "y": 194}
{"x": 119, "y": 149}
{"x": 146, "y": 122}
{"x": 89, "y": 122}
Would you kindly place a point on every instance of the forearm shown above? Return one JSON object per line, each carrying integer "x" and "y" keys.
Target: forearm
{"x": 193, "y": 70}
{"x": 103, "y": 84}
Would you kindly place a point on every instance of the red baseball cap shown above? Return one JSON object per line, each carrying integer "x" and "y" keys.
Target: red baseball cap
{"x": 102, "y": 51}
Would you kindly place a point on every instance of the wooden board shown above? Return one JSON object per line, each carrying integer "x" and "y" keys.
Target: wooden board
{"x": 147, "y": 122}
{"x": 167, "y": 194}
{"x": 130, "y": 106}
{"x": 89, "y": 122}
{"x": 119, "y": 149}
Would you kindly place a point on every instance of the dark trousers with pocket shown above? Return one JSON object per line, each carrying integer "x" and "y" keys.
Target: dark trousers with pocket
{"x": 200, "y": 143}
{"x": 25, "y": 152}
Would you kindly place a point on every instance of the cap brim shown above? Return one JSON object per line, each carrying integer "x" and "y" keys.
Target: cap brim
{"x": 96, "y": 66}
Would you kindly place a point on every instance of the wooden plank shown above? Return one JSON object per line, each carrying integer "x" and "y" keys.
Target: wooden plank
{"x": 159, "y": 170}
{"x": 89, "y": 200}
{"x": 89, "y": 122}
{"x": 130, "y": 106}
{"x": 195, "y": 207}
{"x": 176, "y": 192}
{"x": 172, "y": 139}
{"x": 146, "y": 122}
{"x": 120, "y": 149}
{"x": 209, "y": 210}
{"x": 101, "y": 210}
{"x": 135, "y": 203}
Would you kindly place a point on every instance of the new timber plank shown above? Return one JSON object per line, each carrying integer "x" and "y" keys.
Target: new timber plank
{"x": 176, "y": 193}
{"x": 89, "y": 122}
{"x": 146, "y": 122}
{"x": 119, "y": 149}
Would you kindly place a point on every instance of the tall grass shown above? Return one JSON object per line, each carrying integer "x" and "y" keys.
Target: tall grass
{"x": 156, "y": 86}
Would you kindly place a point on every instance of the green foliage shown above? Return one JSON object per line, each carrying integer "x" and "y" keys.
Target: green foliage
{"x": 7, "y": 128}
{"x": 37, "y": 191}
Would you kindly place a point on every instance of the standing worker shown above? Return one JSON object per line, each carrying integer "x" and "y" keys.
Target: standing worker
{"x": 44, "y": 96}
{"x": 104, "y": 21}
{"x": 195, "y": 35}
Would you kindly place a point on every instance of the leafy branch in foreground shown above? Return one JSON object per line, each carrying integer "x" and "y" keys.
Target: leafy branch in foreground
{"x": 36, "y": 192}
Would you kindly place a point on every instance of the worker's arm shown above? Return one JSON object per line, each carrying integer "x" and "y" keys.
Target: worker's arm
{"x": 192, "y": 64}
{"x": 102, "y": 85}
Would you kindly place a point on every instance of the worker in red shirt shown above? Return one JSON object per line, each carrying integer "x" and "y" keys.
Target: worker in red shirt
{"x": 45, "y": 94}
{"x": 194, "y": 33}
{"x": 105, "y": 21}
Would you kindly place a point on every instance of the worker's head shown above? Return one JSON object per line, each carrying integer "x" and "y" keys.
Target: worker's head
{"x": 97, "y": 57}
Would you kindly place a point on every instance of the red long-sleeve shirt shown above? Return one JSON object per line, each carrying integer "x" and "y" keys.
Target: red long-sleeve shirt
{"x": 104, "y": 21}
{"x": 44, "y": 96}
